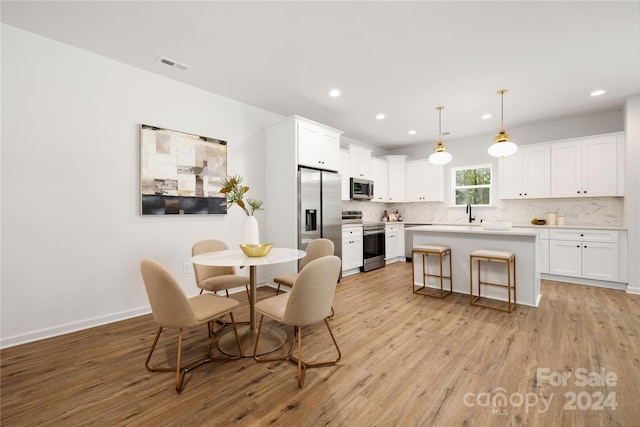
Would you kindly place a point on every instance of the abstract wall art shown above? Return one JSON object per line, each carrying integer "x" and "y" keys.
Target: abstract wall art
{"x": 180, "y": 173}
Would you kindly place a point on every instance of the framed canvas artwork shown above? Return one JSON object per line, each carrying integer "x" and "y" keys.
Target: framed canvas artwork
{"x": 181, "y": 173}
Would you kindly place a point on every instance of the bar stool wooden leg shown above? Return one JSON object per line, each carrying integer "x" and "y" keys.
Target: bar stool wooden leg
{"x": 425, "y": 251}
{"x": 509, "y": 258}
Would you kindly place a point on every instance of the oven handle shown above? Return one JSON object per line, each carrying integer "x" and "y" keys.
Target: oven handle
{"x": 372, "y": 232}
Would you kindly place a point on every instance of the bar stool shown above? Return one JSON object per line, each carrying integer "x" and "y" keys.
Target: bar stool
{"x": 488, "y": 255}
{"x": 440, "y": 251}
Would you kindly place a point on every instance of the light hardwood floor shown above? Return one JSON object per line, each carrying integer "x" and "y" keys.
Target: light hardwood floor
{"x": 408, "y": 360}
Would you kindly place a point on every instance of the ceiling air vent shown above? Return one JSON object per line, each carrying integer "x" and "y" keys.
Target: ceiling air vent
{"x": 173, "y": 64}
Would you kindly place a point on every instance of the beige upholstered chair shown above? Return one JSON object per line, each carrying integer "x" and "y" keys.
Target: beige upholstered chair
{"x": 317, "y": 248}
{"x": 308, "y": 302}
{"x": 172, "y": 309}
{"x": 215, "y": 279}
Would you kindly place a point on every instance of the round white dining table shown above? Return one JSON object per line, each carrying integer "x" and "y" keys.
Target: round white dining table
{"x": 271, "y": 337}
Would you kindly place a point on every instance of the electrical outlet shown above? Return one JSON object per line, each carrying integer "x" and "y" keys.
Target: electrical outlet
{"x": 186, "y": 268}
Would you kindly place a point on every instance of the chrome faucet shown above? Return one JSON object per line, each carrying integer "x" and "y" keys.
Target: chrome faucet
{"x": 471, "y": 218}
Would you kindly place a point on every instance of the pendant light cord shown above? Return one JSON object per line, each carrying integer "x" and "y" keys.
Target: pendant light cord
{"x": 501, "y": 92}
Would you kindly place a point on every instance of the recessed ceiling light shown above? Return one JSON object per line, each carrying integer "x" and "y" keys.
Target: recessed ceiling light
{"x": 412, "y": 132}
{"x": 597, "y": 92}
{"x": 380, "y": 116}
{"x": 486, "y": 116}
{"x": 334, "y": 93}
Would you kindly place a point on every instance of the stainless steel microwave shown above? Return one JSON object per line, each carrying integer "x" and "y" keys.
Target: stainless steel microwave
{"x": 361, "y": 189}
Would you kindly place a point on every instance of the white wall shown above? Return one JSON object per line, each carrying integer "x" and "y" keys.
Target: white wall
{"x": 72, "y": 235}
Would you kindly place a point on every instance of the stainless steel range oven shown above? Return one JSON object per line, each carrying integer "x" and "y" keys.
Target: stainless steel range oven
{"x": 373, "y": 245}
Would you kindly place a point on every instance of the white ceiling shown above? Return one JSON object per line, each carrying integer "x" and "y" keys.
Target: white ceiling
{"x": 398, "y": 58}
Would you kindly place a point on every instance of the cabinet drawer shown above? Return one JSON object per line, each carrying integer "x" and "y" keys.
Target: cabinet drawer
{"x": 391, "y": 228}
{"x": 351, "y": 232}
{"x": 584, "y": 235}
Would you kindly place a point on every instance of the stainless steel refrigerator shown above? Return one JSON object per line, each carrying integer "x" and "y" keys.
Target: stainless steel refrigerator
{"x": 319, "y": 208}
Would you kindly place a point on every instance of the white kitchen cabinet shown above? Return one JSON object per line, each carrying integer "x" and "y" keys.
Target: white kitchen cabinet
{"x": 590, "y": 254}
{"x": 565, "y": 258}
{"x": 352, "y": 249}
{"x": 600, "y": 261}
{"x": 318, "y": 145}
{"x": 397, "y": 177}
{"x": 380, "y": 176}
{"x": 389, "y": 178}
{"x": 394, "y": 242}
{"x": 359, "y": 162}
{"x": 424, "y": 181}
{"x": 586, "y": 167}
{"x": 526, "y": 174}
{"x": 344, "y": 175}
{"x": 544, "y": 250}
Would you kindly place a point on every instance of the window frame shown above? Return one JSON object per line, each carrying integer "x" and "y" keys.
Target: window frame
{"x": 490, "y": 186}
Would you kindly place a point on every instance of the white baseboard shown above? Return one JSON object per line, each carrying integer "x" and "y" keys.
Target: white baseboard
{"x": 586, "y": 282}
{"x": 635, "y": 291}
{"x": 351, "y": 272}
{"x": 68, "y": 328}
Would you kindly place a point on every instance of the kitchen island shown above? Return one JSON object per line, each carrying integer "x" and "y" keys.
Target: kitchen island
{"x": 464, "y": 239}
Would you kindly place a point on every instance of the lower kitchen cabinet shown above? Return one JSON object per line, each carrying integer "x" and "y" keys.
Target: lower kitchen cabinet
{"x": 352, "y": 248}
{"x": 394, "y": 242}
{"x": 600, "y": 261}
{"x": 589, "y": 254}
{"x": 544, "y": 250}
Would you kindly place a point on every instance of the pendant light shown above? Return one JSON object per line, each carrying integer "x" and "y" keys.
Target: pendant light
{"x": 502, "y": 147}
{"x": 440, "y": 155}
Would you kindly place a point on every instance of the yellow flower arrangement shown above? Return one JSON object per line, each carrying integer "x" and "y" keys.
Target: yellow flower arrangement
{"x": 234, "y": 192}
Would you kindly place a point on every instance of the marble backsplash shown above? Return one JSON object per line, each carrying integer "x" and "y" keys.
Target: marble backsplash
{"x": 592, "y": 211}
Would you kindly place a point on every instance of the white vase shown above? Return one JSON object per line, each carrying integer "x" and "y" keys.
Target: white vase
{"x": 251, "y": 232}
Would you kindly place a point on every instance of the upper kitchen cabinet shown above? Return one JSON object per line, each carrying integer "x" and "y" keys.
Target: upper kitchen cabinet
{"x": 359, "y": 162}
{"x": 389, "y": 178}
{"x": 318, "y": 145}
{"x": 380, "y": 176}
{"x": 424, "y": 181}
{"x": 526, "y": 174}
{"x": 588, "y": 167}
{"x": 397, "y": 166}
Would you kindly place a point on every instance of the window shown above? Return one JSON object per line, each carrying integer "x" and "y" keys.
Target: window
{"x": 471, "y": 185}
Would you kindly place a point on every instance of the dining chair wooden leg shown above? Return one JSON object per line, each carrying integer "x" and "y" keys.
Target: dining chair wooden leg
{"x": 327, "y": 362}
{"x": 301, "y": 366}
{"x": 248, "y": 295}
{"x": 153, "y": 347}
{"x": 179, "y": 377}
{"x": 255, "y": 347}
{"x": 180, "y": 370}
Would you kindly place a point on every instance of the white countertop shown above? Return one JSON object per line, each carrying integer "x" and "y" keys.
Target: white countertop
{"x": 474, "y": 229}
{"x": 531, "y": 226}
